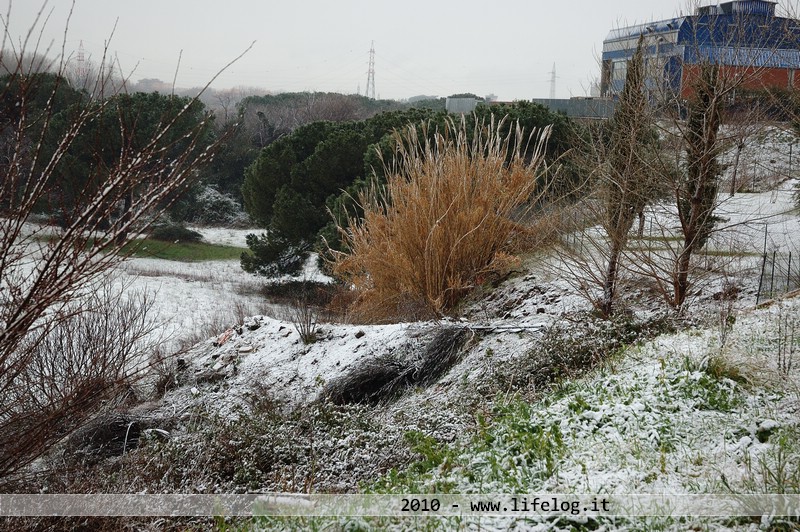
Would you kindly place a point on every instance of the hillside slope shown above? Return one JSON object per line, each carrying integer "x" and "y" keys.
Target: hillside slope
{"x": 526, "y": 393}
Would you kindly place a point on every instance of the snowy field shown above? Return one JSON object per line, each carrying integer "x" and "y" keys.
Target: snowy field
{"x": 203, "y": 299}
{"x": 767, "y": 179}
{"x": 195, "y": 300}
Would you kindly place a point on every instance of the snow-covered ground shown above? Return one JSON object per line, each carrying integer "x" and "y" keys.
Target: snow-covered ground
{"x": 760, "y": 221}
{"x": 709, "y": 409}
{"x": 767, "y": 175}
{"x": 225, "y": 236}
{"x": 195, "y": 300}
{"x": 704, "y": 410}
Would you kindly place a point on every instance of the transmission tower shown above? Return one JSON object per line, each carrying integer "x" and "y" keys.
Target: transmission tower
{"x": 553, "y": 83}
{"x": 83, "y": 72}
{"x": 370, "y": 92}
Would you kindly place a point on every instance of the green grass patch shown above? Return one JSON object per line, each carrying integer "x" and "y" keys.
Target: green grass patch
{"x": 182, "y": 251}
{"x": 514, "y": 448}
{"x": 175, "y": 251}
{"x": 645, "y": 247}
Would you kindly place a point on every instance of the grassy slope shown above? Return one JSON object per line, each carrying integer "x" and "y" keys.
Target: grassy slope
{"x": 175, "y": 251}
{"x": 687, "y": 412}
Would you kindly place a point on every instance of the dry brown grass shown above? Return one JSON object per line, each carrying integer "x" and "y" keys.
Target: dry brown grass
{"x": 445, "y": 221}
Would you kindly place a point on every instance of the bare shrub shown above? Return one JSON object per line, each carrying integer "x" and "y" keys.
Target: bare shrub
{"x": 551, "y": 223}
{"x": 81, "y": 363}
{"x": 444, "y": 221}
{"x": 786, "y": 343}
{"x": 617, "y": 156}
{"x": 726, "y": 314}
{"x": 304, "y": 317}
{"x": 62, "y": 355}
{"x": 572, "y": 346}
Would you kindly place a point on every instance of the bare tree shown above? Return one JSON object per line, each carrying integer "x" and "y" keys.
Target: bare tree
{"x": 329, "y": 106}
{"x": 618, "y": 159}
{"x": 626, "y": 183}
{"x": 696, "y": 193}
{"x": 699, "y": 130}
{"x": 101, "y": 81}
{"x": 45, "y": 269}
{"x": 268, "y": 118}
{"x": 696, "y": 86}
{"x": 82, "y": 361}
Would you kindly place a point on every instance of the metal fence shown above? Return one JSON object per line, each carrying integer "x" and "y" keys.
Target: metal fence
{"x": 780, "y": 273}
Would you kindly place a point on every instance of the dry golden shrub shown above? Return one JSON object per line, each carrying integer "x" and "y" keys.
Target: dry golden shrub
{"x": 446, "y": 219}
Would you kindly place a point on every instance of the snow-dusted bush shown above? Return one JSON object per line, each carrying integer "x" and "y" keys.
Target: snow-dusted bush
{"x": 212, "y": 207}
{"x": 73, "y": 369}
{"x": 174, "y": 232}
{"x": 574, "y": 345}
{"x": 265, "y": 445}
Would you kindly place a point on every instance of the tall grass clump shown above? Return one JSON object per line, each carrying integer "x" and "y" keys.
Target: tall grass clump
{"x": 446, "y": 220}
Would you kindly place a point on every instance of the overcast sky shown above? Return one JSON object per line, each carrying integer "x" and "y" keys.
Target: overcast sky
{"x": 432, "y": 47}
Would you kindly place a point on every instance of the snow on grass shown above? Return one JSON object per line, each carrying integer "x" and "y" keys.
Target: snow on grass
{"x": 685, "y": 413}
{"x": 697, "y": 411}
{"x": 680, "y": 414}
{"x": 195, "y": 298}
{"x": 226, "y": 236}
{"x": 198, "y": 300}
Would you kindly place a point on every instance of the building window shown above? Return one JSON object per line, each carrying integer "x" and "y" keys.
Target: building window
{"x": 619, "y": 69}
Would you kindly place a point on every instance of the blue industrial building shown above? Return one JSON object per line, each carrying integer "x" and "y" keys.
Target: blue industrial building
{"x": 745, "y": 37}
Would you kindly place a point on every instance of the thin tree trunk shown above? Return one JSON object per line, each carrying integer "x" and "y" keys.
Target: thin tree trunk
{"x": 641, "y": 223}
{"x": 126, "y": 216}
{"x": 610, "y": 282}
{"x": 681, "y": 276}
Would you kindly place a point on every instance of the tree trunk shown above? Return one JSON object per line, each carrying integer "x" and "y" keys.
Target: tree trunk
{"x": 681, "y": 276}
{"x": 739, "y": 148}
{"x": 641, "y": 223}
{"x": 606, "y": 306}
{"x": 126, "y": 217}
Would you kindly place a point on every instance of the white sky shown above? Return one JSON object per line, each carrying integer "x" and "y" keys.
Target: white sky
{"x": 504, "y": 47}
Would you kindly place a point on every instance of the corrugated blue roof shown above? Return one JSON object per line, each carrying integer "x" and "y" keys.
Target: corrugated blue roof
{"x": 737, "y": 56}
{"x": 739, "y": 30}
